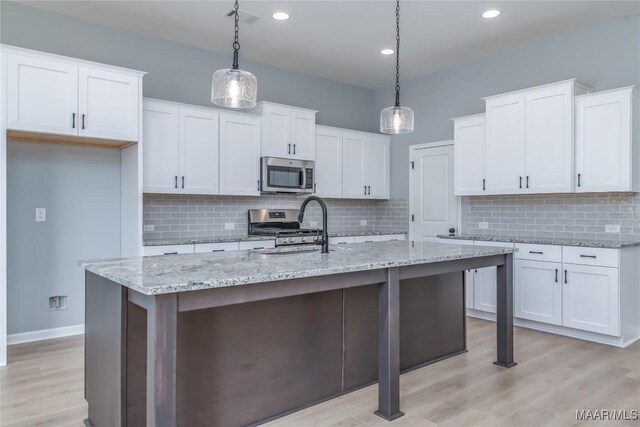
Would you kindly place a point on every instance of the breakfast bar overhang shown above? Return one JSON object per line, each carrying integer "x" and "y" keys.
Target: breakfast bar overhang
{"x": 167, "y": 286}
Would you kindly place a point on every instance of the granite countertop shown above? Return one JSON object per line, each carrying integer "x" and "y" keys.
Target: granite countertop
{"x": 247, "y": 238}
{"x": 610, "y": 244}
{"x": 180, "y": 273}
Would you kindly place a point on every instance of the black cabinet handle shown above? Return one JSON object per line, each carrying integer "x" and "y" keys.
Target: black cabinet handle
{"x": 565, "y": 277}
{"x": 258, "y": 185}
{"x": 588, "y": 256}
{"x": 217, "y": 250}
{"x": 520, "y": 182}
{"x": 294, "y": 148}
{"x": 365, "y": 190}
{"x": 73, "y": 121}
{"x": 536, "y": 252}
{"x": 171, "y": 253}
{"x": 83, "y": 121}
{"x": 183, "y": 182}
{"x": 289, "y": 149}
{"x": 175, "y": 182}
{"x": 368, "y": 190}
{"x": 556, "y": 275}
{"x": 579, "y": 179}
{"x": 484, "y": 184}
{"x": 527, "y": 182}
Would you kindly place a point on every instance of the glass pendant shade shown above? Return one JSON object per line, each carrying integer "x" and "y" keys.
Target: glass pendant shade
{"x": 234, "y": 88}
{"x": 396, "y": 119}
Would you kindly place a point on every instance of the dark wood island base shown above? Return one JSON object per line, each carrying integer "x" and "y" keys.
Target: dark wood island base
{"x": 248, "y": 354}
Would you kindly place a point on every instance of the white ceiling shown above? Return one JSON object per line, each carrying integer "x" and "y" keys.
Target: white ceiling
{"x": 341, "y": 40}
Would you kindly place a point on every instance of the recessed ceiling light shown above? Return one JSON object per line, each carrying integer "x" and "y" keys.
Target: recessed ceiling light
{"x": 387, "y": 51}
{"x": 280, "y": 16}
{"x": 491, "y": 13}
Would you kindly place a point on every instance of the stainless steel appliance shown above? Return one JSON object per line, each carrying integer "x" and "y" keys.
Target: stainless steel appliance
{"x": 283, "y": 225}
{"x": 287, "y": 175}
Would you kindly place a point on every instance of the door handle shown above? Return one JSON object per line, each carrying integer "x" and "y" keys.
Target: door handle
{"x": 83, "y": 121}
{"x": 73, "y": 121}
{"x": 183, "y": 182}
{"x": 175, "y": 182}
{"x": 556, "y": 275}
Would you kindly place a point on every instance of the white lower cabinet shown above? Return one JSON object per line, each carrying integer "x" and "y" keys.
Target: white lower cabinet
{"x": 256, "y": 244}
{"x": 215, "y": 247}
{"x": 167, "y": 249}
{"x": 590, "y": 299}
{"x": 484, "y": 289}
{"x": 538, "y": 291}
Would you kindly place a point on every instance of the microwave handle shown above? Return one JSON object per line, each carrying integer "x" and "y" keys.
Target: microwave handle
{"x": 303, "y": 178}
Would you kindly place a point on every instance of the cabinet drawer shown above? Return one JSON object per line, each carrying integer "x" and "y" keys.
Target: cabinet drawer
{"x": 167, "y": 250}
{"x": 256, "y": 244}
{"x": 550, "y": 253}
{"x": 363, "y": 239}
{"x": 590, "y": 256}
{"x": 216, "y": 247}
{"x": 392, "y": 237}
{"x": 341, "y": 240}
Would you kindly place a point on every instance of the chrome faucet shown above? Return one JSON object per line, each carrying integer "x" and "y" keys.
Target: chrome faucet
{"x": 325, "y": 235}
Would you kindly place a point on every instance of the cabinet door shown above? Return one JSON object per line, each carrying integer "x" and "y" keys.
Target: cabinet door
{"x": 328, "y": 162}
{"x": 199, "y": 145}
{"x": 161, "y": 150}
{"x": 376, "y": 167}
{"x": 353, "y": 165}
{"x": 505, "y": 145}
{"x": 276, "y": 132}
{"x": 42, "y": 95}
{"x": 108, "y": 104}
{"x": 590, "y": 299}
{"x": 484, "y": 289}
{"x": 603, "y": 142}
{"x": 549, "y": 140}
{"x": 303, "y": 132}
{"x": 239, "y": 155}
{"x": 469, "y": 156}
{"x": 538, "y": 291}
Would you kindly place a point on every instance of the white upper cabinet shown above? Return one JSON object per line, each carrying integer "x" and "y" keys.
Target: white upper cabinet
{"x": 42, "y": 95}
{"x": 469, "y": 155}
{"x": 549, "y": 140}
{"x": 161, "y": 154}
{"x": 376, "y": 166}
{"x": 607, "y": 148}
{"x": 287, "y": 132}
{"x": 505, "y": 144}
{"x": 239, "y": 154}
{"x": 328, "y": 162}
{"x": 65, "y": 96}
{"x": 199, "y": 151}
{"x": 108, "y": 104}
{"x": 353, "y": 186}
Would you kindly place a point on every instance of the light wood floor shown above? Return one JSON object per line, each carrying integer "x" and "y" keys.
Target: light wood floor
{"x": 43, "y": 386}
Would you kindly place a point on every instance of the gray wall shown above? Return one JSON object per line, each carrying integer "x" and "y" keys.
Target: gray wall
{"x": 605, "y": 57}
{"x": 178, "y": 72}
{"x": 80, "y": 188}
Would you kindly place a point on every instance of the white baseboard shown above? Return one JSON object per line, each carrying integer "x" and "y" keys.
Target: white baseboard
{"x": 45, "y": 334}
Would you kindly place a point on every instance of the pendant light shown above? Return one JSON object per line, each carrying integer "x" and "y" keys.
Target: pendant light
{"x": 232, "y": 87}
{"x": 397, "y": 119}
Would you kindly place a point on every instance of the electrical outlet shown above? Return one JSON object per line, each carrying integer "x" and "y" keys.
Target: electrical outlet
{"x": 149, "y": 227}
{"x": 58, "y": 302}
{"x": 611, "y": 228}
{"x": 229, "y": 225}
{"x": 41, "y": 214}
{"x": 313, "y": 223}
{"x": 363, "y": 222}
{"x": 483, "y": 225}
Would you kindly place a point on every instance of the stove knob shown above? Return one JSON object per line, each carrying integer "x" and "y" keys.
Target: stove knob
{"x": 285, "y": 240}
{"x": 304, "y": 239}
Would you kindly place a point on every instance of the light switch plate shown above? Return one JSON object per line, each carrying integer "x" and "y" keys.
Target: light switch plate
{"x": 229, "y": 225}
{"x": 363, "y": 222}
{"x": 41, "y": 214}
{"x": 483, "y": 225}
{"x": 611, "y": 228}
{"x": 149, "y": 227}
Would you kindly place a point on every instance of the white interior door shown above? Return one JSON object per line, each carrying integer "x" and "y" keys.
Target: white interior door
{"x": 433, "y": 207}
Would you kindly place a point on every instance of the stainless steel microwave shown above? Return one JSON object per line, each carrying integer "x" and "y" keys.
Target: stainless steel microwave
{"x": 287, "y": 175}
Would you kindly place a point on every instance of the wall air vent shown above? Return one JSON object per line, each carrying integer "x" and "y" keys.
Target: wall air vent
{"x": 245, "y": 17}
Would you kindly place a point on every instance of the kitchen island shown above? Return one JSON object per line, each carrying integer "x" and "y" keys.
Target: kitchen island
{"x": 238, "y": 338}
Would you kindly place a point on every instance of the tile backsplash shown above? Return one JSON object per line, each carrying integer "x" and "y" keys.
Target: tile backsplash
{"x": 580, "y": 216}
{"x": 176, "y": 217}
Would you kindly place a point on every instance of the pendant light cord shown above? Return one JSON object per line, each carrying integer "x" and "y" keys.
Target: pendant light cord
{"x": 236, "y": 43}
{"x": 397, "y": 53}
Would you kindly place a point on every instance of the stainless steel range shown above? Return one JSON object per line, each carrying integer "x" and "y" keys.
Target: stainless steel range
{"x": 283, "y": 225}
